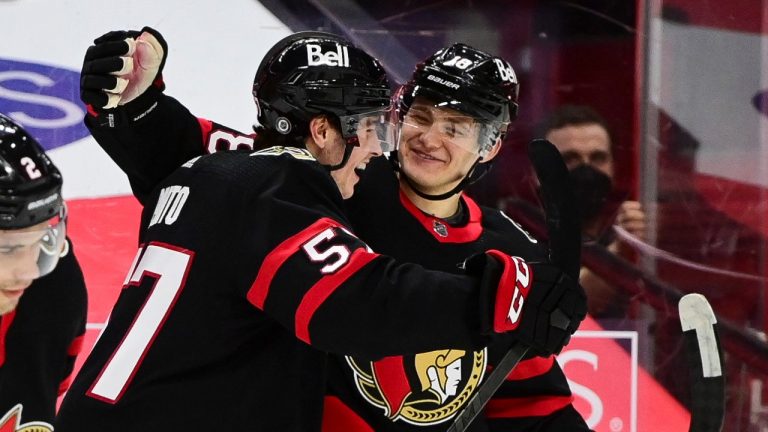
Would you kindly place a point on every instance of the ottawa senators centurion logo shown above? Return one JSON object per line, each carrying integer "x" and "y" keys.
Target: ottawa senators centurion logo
{"x": 11, "y": 422}
{"x": 422, "y": 389}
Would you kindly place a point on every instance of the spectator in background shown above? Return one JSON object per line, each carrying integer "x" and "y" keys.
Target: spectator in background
{"x": 584, "y": 139}
{"x": 714, "y": 254}
{"x": 687, "y": 225}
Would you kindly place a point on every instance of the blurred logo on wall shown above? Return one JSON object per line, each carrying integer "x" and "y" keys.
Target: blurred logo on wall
{"x": 44, "y": 99}
{"x": 611, "y": 390}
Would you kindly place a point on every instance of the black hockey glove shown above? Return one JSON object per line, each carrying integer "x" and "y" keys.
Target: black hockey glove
{"x": 535, "y": 302}
{"x": 122, "y": 75}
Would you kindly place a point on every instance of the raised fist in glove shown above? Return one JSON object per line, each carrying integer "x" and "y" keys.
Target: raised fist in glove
{"x": 537, "y": 302}
{"x": 120, "y": 66}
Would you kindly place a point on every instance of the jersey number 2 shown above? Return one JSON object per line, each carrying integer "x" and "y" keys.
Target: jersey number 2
{"x": 169, "y": 266}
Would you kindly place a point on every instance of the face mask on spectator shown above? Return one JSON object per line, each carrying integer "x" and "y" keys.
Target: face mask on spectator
{"x": 591, "y": 188}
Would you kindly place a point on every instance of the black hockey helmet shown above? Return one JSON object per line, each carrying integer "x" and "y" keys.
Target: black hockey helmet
{"x": 30, "y": 184}
{"x": 469, "y": 81}
{"x": 311, "y": 73}
{"x": 30, "y": 195}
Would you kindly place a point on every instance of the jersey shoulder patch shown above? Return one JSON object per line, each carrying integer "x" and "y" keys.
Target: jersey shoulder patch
{"x": 298, "y": 153}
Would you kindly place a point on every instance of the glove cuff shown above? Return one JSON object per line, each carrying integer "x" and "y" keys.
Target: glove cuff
{"x": 129, "y": 113}
{"x": 514, "y": 285}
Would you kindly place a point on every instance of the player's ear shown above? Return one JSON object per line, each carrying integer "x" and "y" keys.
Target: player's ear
{"x": 319, "y": 131}
{"x": 493, "y": 152}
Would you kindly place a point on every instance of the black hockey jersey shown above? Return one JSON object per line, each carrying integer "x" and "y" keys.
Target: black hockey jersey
{"x": 39, "y": 341}
{"x": 248, "y": 272}
{"x": 424, "y": 391}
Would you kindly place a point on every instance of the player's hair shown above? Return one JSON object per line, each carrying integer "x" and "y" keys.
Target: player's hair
{"x": 573, "y": 115}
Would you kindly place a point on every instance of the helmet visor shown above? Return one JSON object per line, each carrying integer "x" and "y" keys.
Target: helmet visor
{"x": 443, "y": 121}
{"x": 374, "y": 128}
{"x": 33, "y": 252}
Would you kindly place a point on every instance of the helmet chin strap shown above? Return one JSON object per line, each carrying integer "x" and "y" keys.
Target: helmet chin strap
{"x": 344, "y": 159}
{"x": 476, "y": 172}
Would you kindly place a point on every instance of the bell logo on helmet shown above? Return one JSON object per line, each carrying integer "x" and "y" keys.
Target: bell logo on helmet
{"x": 505, "y": 70}
{"x": 316, "y": 56}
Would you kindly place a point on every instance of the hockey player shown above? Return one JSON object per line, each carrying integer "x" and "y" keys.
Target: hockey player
{"x": 42, "y": 291}
{"x": 248, "y": 271}
{"x": 453, "y": 114}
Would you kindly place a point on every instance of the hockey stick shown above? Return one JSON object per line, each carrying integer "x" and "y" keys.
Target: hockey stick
{"x": 564, "y": 230}
{"x": 705, "y": 363}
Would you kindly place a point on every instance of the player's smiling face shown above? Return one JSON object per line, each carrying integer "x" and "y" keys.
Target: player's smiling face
{"x": 437, "y": 146}
{"x": 19, "y": 251}
{"x": 368, "y": 148}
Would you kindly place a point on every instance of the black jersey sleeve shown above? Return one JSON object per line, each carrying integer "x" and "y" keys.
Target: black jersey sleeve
{"x": 323, "y": 283}
{"x": 150, "y": 148}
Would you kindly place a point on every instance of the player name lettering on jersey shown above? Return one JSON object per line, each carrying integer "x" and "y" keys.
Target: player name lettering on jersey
{"x": 169, "y": 204}
{"x": 316, "y": 56}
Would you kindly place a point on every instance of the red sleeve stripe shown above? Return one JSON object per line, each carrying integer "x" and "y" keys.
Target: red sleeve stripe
{"x": 526, "y": 406}
{"x": 531, "y": 368}
{"x": 337, "y": 416}
{"x": 319, "y": 292}
{"x": 205, "y": 129}
{"x": 91, "y": 110}
{"x": 257, "y": 294}
{"x": 5, "y": 324}
{"x": 64, "y": 385}
{"x": 75, "y": 347}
